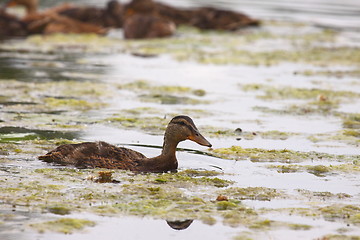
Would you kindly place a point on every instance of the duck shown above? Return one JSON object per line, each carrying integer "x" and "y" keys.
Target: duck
{"x": 104, "y": 155}
{"x": 110, "y": 16}
{"x": 11, "y": 26}
{"x": 205, "y": 18}
{"x": 209, "y": 18}
{"x": 141, "y": 20}
{"x": 141, "y": 26}
{"x": 50, "y": 21}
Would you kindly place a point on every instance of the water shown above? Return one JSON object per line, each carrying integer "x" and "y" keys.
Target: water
{"x": 230, "y": 108}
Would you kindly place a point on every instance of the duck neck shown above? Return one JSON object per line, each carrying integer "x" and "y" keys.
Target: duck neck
{"x": 169, "y": 149}
{"x": 166, "y": 161}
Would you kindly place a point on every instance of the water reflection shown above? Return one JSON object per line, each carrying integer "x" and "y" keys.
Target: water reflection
{"x": 180, "y": 225}
{"x": 10, "y": 134}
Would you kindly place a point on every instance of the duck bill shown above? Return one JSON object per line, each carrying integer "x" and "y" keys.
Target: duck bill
{"x": 198, "y": 138}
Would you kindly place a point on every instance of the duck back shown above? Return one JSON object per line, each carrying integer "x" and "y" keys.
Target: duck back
{"x": 94, "y": 155}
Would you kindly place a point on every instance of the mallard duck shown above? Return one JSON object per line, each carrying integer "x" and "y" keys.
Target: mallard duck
{"x": 147, "y": 26}
{"x": 204, "y": 18}
{"x": 212, "y": 18}
{"x": 141, "y": 20}
{"x": 105, "y": 155}
{"x": 50, "y": 21}
{"x": 110, "y": 16}
{"x": 11, "y": 26}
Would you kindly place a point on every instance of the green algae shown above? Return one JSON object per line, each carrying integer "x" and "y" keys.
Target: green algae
{"x": 201, "y": 178}
{"x": 225, "y": 205}
{"x": 352, "y": 121}
{"x": 149, "y": 124}
{"x": 139, "y": 195}
{"x": 296, "y": 226}
{"x": 303, "y": 48}
{"x": 318, "y": 101}
{"x": 349, "y": 213}
{"x": 331, "y": 73}
{"x": 322, "y": 195}
{"x": 335, "y": 212}
{"x": 76, "y": 104}
{"x": 277, "y": 135}
{"x": 263, "y": 155}
{"x": 142, "y": 85}
{"x": 310, "y": 108}
{"x": 59, "y": 209}
{"x": 347, "y": 136}
{"x": 165, "y": 94}
{"x": 263, "y": 224}
{"x": 88, "y": 43}
{"x": 252, "y": 193}
{"x": 244, "y": 236}
{"x": 170, "y": 99}
{"x": 340, "y": 237}
{"x": 63, "y": 225}
{"x": 271, "y": 92}
{"x": 199, "y": 173}
{"x": 318, "y": 170}
{"x": 352, "y": 133}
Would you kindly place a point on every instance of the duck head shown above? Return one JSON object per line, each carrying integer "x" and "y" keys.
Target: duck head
{"x": 182, "y": 128}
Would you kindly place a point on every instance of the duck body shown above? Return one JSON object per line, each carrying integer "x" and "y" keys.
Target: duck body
{"x": 110, "y": 16}
{"x": 142, "y": 20}
{"x": 105, "y": 155}
{"x": 50, "y": 21}
{"x": 11, "y": 26}
{"x": 147, "y": 26}
{"x": 208, "y": 18}
{"x": 94, "y": 155}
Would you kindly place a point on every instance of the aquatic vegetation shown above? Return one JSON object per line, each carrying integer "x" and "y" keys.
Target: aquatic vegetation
{"x": 90, "y": 43}
{"x": 319, "y": 170}
{"x": 349, "y": 213}
{"x": 76, "y": 104}
{"x": 276, "y": 135}
{"x": 296, "y": 226}
{"x": 142, "y": 85}
{"x": 165, "y": 94}
{"x": 340, "y": 237}
{"x": 322, "y": 195}
{"x": 330, "y": 73}
{"x": 271, "y": 92}
{"x": 352, "y": 121}
{"x": 194, "y": 177}
{"x": 303, "y": 48}
{"x": 252, "y": 193}
{"x": 150, "y": 124}
{"x": 63, "y": 225}
{"x": 263, "y": 155}
{"x": 59, "y": 209}
{"x": 55, "y": 103}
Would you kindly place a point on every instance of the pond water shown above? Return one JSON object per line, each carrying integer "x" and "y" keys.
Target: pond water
{"x": 285, "y": 95}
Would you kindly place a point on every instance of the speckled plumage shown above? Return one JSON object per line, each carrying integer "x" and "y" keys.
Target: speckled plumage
{"x": 105, "y": 155}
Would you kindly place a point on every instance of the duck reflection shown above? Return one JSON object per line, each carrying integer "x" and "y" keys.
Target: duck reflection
{"x": 180, "y": 225}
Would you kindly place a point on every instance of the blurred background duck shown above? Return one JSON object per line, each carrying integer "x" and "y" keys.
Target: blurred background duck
{"x": 51, "y": 21}
{"x": 11, "y": 26}
{"x": 104, "y": 155}
{"x": 110, "y": 16}
{"x": 206, "y": 18}
{"x": 142, "y": 20}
